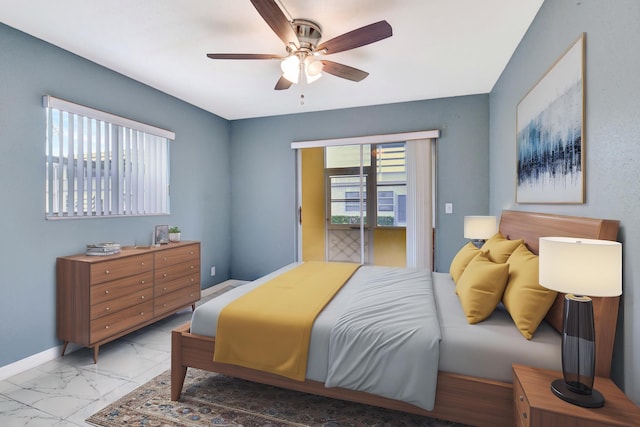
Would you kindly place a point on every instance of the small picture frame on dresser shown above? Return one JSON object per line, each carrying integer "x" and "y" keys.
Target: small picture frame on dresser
{"x": 161, "y": 235}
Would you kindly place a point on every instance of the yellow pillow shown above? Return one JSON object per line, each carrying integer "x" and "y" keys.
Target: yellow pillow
{"x": 461, "y": 260}
{"x": 500, "y": 248}
{"x": 480, "y": 287}
{"x": 524, "y": 298}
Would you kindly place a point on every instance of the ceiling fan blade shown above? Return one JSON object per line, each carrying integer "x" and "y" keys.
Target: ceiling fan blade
{"x": 282, "y": 84}
{"x": 276, "y": 19}
{"x": 360, "y": 37}
{"x": 243, "y": 56}
{"x": 343, "y": 71}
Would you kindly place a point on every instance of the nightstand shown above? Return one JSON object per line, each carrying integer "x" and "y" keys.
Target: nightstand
{"x": 535, "y": 405}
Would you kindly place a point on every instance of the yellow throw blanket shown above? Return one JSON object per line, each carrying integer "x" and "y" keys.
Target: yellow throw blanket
{"x": 269, "y": 328}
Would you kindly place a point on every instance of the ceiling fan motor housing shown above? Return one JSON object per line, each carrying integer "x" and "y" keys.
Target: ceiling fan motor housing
{"x": 308, "y": 32}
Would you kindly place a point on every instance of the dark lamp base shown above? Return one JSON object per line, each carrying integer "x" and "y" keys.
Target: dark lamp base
{"x": 593, "y": 400}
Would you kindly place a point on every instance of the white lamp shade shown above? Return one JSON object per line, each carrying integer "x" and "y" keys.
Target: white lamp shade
{"x": 581, "y": 266}
{"x": 479, "y": 227}
{"x": 291, "y": 68}
{"x": 312, "y": 69}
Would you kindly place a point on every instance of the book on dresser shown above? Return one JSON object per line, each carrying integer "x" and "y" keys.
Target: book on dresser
{"x": 101, "y": 298}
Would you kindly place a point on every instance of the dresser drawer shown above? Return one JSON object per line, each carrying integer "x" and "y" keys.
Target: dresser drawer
{"x": 178, "y": 299}
{"x": 522, "y": 408}
{"x": 119, "y": 288}
{"x": 161, "y": 289}
{"x": 106, "y": 326}
{"x": 169, "y": 274}
{"x": 122, "y": 267}
{"x": 126, "y": 301}
{"x": 184, "y": 254}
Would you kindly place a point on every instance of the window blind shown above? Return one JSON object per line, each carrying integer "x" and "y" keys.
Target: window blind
{"x": 99, "y": 164}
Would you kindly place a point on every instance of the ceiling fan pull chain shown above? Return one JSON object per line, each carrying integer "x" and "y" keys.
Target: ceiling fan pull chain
{"x": 302, "y": 80}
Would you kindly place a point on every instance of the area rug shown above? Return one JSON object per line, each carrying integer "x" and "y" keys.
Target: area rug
{"x": 210, "y": 399}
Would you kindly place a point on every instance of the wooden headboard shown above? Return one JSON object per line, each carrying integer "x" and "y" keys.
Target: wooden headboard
{"x": 531, "y": 226}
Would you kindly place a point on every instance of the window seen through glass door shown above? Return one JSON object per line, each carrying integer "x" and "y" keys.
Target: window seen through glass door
{"x": 389, "y": 181}
{"x": 391, "y": 185}
{"x": 345, "y": 199}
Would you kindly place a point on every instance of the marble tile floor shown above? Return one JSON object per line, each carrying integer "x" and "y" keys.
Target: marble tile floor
{"x": 67, "y": 390}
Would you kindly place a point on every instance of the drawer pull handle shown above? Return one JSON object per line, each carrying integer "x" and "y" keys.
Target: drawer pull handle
{"x": 106, "y": 327}
{"x": 106, "y": 272}
{"x": 107, "y": 309}
{"x": 142, "y": 297}
{"x": 164, "y": 305}
{"x": 190, "y": 252}
{"x": 164, "y": 258}
{"x": 192, "y": 267}
{"x": 142, "y": 263}
{"x": 521, "y": 398}
{"x": 142, "y": 282}
{"x": 164, "y": 275}
{"x": 164, "y": 289}
{"x": 142, "y": 313}
{"x": 106, "y": 292}
{"x": 192, "y": 280}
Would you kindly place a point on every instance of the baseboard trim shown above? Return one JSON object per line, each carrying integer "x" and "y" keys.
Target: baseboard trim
{"x": 33, "y": 361}
{"x": 54, "y": 353}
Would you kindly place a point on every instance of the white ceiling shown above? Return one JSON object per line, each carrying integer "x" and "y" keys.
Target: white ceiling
{"x": 439, "y": 48}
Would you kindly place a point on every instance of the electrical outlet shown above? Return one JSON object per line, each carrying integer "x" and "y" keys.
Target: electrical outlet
{"x": 213, "y": 271}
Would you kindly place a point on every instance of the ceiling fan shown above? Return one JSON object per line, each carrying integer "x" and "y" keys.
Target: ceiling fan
{"x": 301, "y": 38}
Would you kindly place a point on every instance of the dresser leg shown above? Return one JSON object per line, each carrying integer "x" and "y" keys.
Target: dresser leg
{"x": 64, "y": 348}
{"x": 193, "y": 307}
{"x": 96, "y": 349}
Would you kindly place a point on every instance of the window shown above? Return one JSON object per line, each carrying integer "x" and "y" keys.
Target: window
{"x": 98, "y": 164}
{"x": 391, "y": 184}
{"x": 352, "y": 201}
{"x": 345, "y": 199}
{"x": 385, "y": 201}
{"x": 342, "y": 166}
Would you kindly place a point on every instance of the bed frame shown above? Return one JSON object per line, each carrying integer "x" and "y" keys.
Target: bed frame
{"x": 459, "y": 398}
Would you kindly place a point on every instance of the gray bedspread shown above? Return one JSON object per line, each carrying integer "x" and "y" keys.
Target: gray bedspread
{"x": 386, "y": 342}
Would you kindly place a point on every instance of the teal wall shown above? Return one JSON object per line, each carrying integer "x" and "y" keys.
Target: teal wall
{"x": 612, "y": 137}
{"x": 30, "y": 68}
{"x": 263, "y": 172}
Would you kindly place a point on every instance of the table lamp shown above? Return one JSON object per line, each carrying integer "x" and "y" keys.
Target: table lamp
{"x": 479, "y": 228}
{"x": 580, "y": 268}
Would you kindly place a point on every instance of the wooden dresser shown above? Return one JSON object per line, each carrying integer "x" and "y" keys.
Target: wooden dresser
{"x": 101, "y": 298}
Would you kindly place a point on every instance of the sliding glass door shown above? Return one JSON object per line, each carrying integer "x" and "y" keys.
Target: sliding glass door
{"x": 365, "y": 204}
{"x": 367, "y": 201}
{"x": 347, "y": 217}
{"x": 347, "y": 170}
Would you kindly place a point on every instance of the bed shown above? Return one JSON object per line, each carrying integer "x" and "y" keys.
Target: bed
{"x": 464, "y": 397}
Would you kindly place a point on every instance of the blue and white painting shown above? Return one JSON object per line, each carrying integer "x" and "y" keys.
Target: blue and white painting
{"x": 550, "y": 137}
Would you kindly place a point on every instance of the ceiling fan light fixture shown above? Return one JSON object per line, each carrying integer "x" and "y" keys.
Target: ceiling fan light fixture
{"x": 312, "y": 78}
{"x": 313, "y": 69}
{"x": 291, "y": 68}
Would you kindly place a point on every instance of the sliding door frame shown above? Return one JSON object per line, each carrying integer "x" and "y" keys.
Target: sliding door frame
{"x": 358, "y": 140}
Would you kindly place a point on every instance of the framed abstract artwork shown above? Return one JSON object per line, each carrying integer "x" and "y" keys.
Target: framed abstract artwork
{"x": 550, "y": 134}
